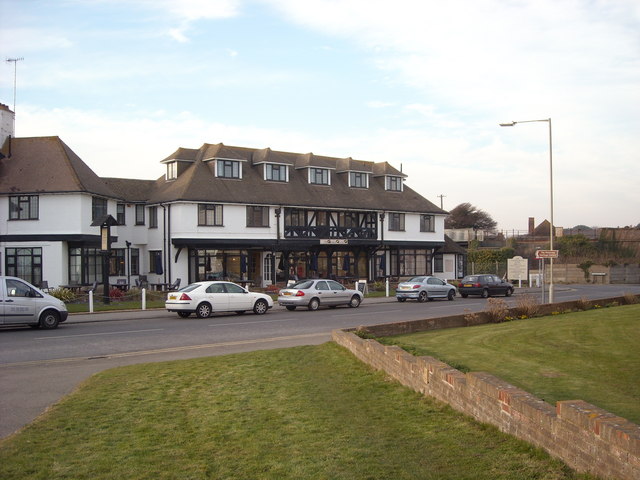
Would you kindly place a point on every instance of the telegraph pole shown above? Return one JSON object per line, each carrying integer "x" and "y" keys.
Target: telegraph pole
{"x": 441, "y": 197}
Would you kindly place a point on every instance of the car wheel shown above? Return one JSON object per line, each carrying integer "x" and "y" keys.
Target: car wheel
{"x": 203, "y": 310}
{"x": 184, "y": 314}
{"x": 451, "y": 295}
{"x": 464, "y": 295}
{"x": 422, "y": 296}
{"x": 314, "y": 304}
{"x": 49, "y": 319}
{"x": 402, "y": 299}
{"x": 508, "y": 292}
{"x": 485, "y": 293}
{"x": 260, "y": 307}
{"x": 354, "y": 302}
{"x": 291, "y": 308}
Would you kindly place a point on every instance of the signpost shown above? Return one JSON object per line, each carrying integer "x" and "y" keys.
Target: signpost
{"x": 546, "y": 254}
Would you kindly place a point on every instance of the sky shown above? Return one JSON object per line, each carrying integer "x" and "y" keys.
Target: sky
{"x": 420, "y": 84}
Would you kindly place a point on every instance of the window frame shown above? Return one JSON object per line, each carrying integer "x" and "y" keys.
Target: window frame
{"x": 153, "y": 217}
{"x": 222, "y": 164}
{"x": 257, "y": 216}
{"x": 283, "y": 172}
{"x": 31, "y": 270}
{"x": 121, "y": 214}
{"x": 358, "y": 180}
{"x": 316, "y": 172}
{"x": 17, "y": 204}
{"x": 393, "y": 183}
{"x": 140, "y": 214}
{"x": 427, "y": 226}
{"x": 203, "y": 217}
{"x": 172, "y": 170}
{"x": 396, "y": 222}
{"x": 99, "y": 208}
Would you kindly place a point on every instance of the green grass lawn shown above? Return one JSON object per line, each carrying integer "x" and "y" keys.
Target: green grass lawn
{"x": 301, "y": 413}
{"x": 592, "y": 355}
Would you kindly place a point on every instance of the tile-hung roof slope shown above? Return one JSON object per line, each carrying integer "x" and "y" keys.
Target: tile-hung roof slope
{"x": 450, "y": 246}
{"x": 198, "y": 184}
{"x": 47, "y": 165}
{"x": 132, "y": 190}
{"x": 183, "y": 154}
{"x": 351, "y": 165}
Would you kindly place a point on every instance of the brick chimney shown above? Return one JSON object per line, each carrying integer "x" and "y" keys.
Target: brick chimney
{"x": 6, "y": 123}
{"x": 532, "y": 225}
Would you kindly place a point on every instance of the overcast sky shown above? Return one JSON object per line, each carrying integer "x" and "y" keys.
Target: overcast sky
{"x": 421, "y": 84}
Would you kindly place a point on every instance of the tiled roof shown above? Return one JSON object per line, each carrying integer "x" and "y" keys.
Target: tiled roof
{"x": 198, "y": 184}
{"x": 47, "y": 165}
{"x": 132, "y": 190}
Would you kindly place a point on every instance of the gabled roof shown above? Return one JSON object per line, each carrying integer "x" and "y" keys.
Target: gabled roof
{"x": 197, "y": 183}
{"x": 383, "y": 169}
{"x": 47, "y": 165}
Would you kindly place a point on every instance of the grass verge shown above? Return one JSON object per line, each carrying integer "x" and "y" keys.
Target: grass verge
{"x": 591, "y": 355}
{"x": 306, "y": 412}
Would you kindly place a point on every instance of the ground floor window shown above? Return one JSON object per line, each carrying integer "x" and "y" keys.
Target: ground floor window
{"x": 25, "y": 263}
{"x": 117, "y": 264}
{"x": 410, "y": 262}
{"x": 214, "y": 264}
{"x": 85, "y": 265}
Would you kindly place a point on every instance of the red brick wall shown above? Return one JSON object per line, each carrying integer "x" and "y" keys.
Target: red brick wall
{"x": 585, "y": 437}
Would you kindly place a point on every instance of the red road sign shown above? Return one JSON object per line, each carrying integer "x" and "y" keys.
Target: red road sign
{"x": 546, "y": 254}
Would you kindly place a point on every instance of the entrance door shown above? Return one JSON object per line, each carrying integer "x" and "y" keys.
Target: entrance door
{"x": 267, "y": 271}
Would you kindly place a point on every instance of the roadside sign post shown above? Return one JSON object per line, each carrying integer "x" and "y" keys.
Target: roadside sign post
{"x": 541, "y": 255}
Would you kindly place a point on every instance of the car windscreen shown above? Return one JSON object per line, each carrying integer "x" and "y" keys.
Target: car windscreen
{"x": 470, "y": 278}
{"x": 416, "y": 280}
{"x": 302, "y": 285}
{"x": 189, "y": 288}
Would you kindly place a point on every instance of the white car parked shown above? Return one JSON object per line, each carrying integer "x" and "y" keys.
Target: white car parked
{"x": 205, "y": 298}
{"x": 23, "y": 304}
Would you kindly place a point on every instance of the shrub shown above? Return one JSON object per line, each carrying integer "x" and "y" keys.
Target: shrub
{"x": 64, "y": 294}
{"x": 497, "y": 310}
{"x": 631, "y": 299}
{"x": 116, "y": 294}
{"x": 470, "y": 317}
{"x": 527, "y": 305}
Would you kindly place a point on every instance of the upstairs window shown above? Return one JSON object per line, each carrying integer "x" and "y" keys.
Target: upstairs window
{"x": 358, "y": 180}
{"x": 396, "y": 222}
{"x": 153, "y": 217}
{"x": 172, "y": 170}
{"x": 394, "y": 184}
{"x": 257, "y": 216}
{"x": 98, "y": 208}
{"x": 209, "y": 215}
{"x": 228, "y": 169}
{"x": 121, "y": 216}
{"x": 23, "y": 207}
{"x": 140, "y": 214}
{"x": 276, "y": 173}
{"x": 427, "y": 223}
{"x": 319, "y": 176}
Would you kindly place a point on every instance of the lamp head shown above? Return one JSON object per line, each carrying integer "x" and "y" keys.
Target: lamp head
{"x": 510, "y": 124}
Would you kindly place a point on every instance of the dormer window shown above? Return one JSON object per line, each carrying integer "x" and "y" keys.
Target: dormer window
{"x": 319, "y": 176}
{"x": 172, "y": 170}
{"x": 358, "y": 180}
{"x": 394, "y": 183}
{"x": 276, "y": 173}
{"x": 228, "y": 169}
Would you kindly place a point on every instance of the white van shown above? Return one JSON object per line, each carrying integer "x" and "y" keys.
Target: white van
{"x": 22, "y": 303}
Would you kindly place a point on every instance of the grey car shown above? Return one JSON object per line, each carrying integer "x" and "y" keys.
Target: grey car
{"x": 424, "y": 288}
{"x": 316, "y": 292}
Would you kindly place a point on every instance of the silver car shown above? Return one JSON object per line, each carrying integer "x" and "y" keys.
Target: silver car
{"x": 314, "y": 293}
{"x": 424, "y": 288}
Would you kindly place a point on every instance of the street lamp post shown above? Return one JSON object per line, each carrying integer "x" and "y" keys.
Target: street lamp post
{"x": 551, "y": 227}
